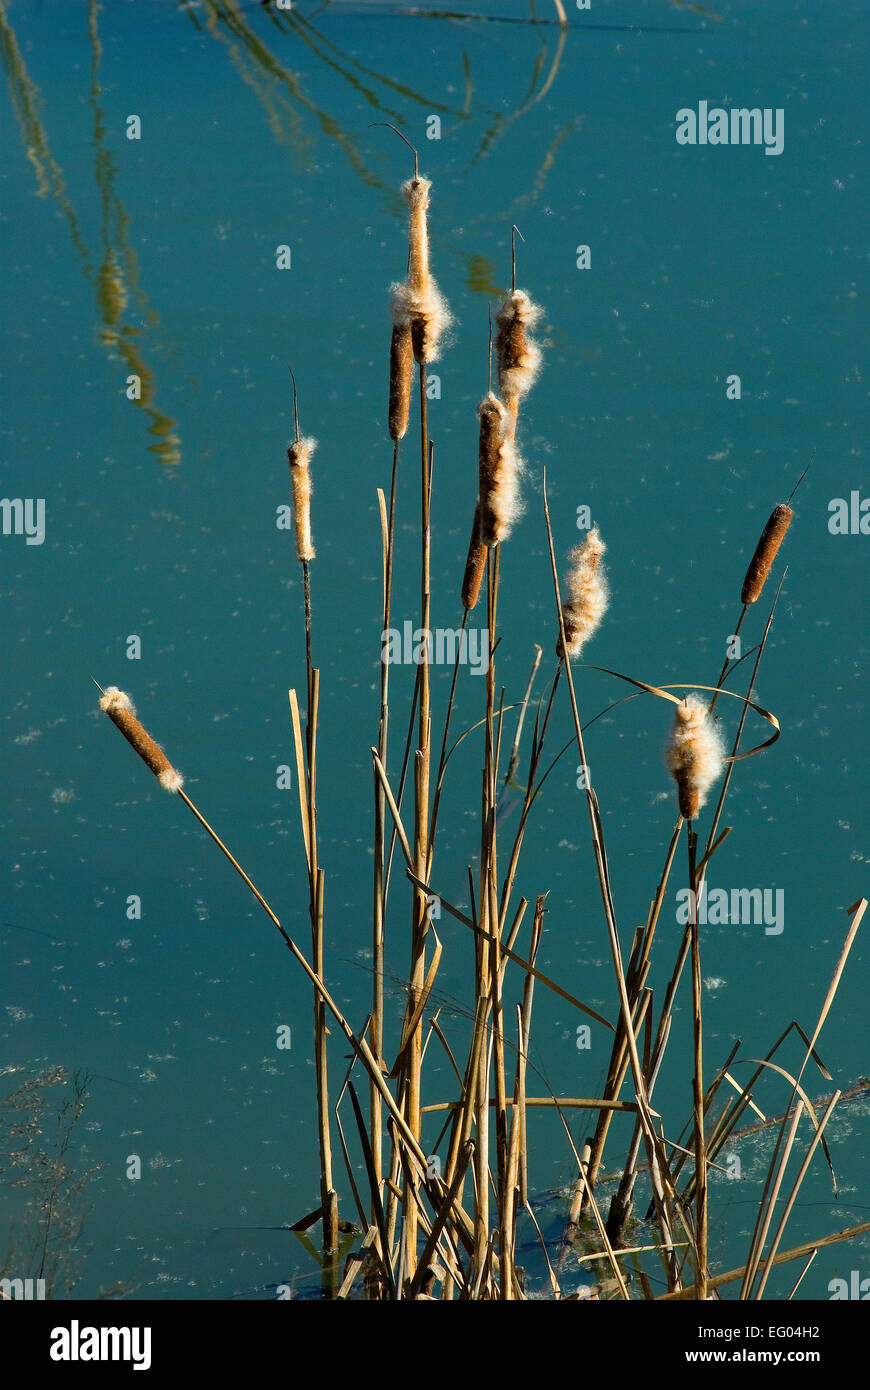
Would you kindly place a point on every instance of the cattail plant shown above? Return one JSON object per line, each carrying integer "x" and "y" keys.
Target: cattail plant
{"x": 468, "y": 1216}
{"x": 475, "y": 565}
{"x": 695, "y": 754}
{"x": 519, "y": 356}
{"x": 417, "y": 303}
{"x": 498, "y": 505}
{"x": 299, "y": 456}
{"x": 419, "y": 310}
{"x": 588, "y": 595}
{"x": 119, "y": 707}
{"x": 498, "y": 502}
{"x": 401, "y": 371}
{"x": 766, "y": 551}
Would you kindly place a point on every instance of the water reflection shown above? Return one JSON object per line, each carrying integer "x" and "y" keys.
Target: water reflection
{"x": 117, "y": 278}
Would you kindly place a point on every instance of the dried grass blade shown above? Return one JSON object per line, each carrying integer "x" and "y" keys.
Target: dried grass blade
{"x": 774, "y": 1244}
{"x": 301, "y": 779}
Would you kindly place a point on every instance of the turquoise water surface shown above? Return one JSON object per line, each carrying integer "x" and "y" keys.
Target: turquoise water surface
{"x": 155, "y": 258}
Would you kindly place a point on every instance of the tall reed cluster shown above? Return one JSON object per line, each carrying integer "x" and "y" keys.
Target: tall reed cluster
{"x": 442, "y": 1185}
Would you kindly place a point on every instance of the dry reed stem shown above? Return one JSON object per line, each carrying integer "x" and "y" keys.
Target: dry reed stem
{"x": 683, "y": 954}
{"x": 685, "y": 946}
{"x": 442, "y": 761}
{"x": 662, "y": 1187}
{"x": 379, "y": 885}
{"x": 765, "y": 1212}
{"x": 119, "y": 707}
{"x": 299, "y": 457}
{"x": 792, "y": 1197}
{"x": 516, "y": 1180}
{"x": 771, "y": 539}
{"x": 419, "y": 920}
{"x": 701, "y": 1208}
{"x": 524, "y": 964}
{"x": 718, "y": 1281}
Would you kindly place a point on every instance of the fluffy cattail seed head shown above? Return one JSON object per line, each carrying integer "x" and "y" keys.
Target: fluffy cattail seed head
{"x": 401, "y": 370}
{"x": 299, "y": 456}
{"x": 499, "y": 470}
{"x": 417, "y": 303}
{"x": 587, "y": 594}
{"x": 416, "y": 193}
{"x": 119, "y": 707}
{"x": 474, "y": 565}
{"x": 695, "y": 754}
{"x": 772, "y": 538}
{"x": 425, "y": 313}
{"x": 519, "y": 356}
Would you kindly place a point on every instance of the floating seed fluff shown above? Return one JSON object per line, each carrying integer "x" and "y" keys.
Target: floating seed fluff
{"x": 119, "y": 707}
{"x": 695, "y": 754}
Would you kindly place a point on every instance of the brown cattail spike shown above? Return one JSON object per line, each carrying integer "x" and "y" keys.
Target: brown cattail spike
{"x": 499, "y": 469}
{"x": 587, "y": 595}
{"x": 299, "y": 456}
{"x": 474, "y": 565}
{"x": 772, "y": 538}
{"x": 401, "y": 371}
{"x": 119, "y": 708}
{"x": 417, "y": 192}
{"x": 695, "y": 754}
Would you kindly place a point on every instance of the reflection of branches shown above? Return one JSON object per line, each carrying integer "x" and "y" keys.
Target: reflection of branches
{"x": 25, "y": 102}
{"x": 226, "y": 13}
{"x": 306, "y": 28}
{"x": 266, "y": 87}
{"x": 113, "y": 279}
{"x": 528, "y": 199}
{"x": 118, "y": 268}
{"x": 281, "y": 94}
{"x": 318, "y": 45}
{"x": 54, "y": 1214}
{"x": 502, "y": 124}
